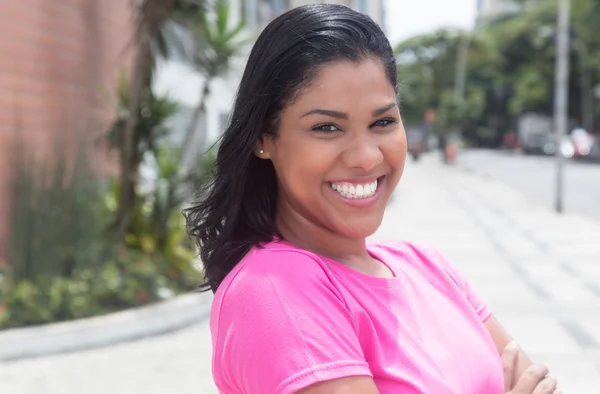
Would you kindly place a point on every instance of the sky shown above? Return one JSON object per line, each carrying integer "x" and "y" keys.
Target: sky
{"x": 406, "y": 18}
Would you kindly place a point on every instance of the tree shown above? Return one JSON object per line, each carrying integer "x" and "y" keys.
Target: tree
{"x": 527, "y": 43}
{"x": 149, "y": 129}
{"x": 427, "y": 71}
{"x": 153, "y": 19}
{"x": 426, "y": 67}
{"x": 509, "y": 71}
{"x": 216, "y": 44}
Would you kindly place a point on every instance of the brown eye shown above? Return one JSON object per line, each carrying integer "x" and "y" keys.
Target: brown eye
{"x": 326, "y": 128}
{"x": 384, "y": 122}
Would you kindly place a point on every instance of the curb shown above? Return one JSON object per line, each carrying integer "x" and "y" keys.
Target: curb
{"x": 107, "y": 330}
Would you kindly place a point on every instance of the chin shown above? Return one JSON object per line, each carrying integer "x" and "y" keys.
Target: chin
{"x": 358, "y": 230}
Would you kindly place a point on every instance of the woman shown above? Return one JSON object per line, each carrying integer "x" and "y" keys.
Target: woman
{"x": 303, "y": 173}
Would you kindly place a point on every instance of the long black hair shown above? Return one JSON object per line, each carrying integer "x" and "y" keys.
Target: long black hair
{"x": 237, "y": 211}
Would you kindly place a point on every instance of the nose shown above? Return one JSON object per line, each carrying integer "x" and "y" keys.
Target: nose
{"x": 363, "y": 152}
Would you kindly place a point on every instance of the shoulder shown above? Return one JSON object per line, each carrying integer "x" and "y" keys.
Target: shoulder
{"x": 270, "y": 275}
{"x": 423, "y": 258}
{"x": 279, "y": 323}
{"x": 273, "y": 266}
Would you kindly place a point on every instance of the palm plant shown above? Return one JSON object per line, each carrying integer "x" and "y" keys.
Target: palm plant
{"x": 217, "y": 42}
{"x": 55, "y": 227}
{"x": 149, "y": 130}
{"x": 153, "y": 22}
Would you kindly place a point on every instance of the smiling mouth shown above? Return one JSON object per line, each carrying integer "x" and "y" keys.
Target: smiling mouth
{"x": 356, "y": 191}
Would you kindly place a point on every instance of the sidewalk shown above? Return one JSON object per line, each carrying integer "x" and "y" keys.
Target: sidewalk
{"x": 540, "y": 273}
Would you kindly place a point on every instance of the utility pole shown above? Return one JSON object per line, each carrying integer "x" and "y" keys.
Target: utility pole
{"x": 561, "y": 93}
{"x": 460, "y": 79}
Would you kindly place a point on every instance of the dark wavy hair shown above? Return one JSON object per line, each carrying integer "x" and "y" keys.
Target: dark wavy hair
{"x": 237, "y": 210}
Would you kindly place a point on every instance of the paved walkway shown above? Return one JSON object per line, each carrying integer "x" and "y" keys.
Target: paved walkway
{"x": 540, "y": 273}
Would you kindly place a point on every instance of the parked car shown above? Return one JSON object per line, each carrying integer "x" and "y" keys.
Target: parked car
{"x": 566, "y": 146}
{"x": 539, "y": 142}
{"x": 595, "y": 151}
{"x": 583, "y": 143}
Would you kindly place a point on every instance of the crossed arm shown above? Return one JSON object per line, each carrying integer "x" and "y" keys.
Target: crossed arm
{"x": 365, "y": 384}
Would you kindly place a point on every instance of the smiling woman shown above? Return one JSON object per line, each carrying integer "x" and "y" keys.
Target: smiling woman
{"x": 303, "y": 303}
{"x": 343, "y": 130}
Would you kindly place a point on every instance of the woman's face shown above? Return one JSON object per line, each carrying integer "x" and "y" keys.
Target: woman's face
{"x": 340, "y": 150}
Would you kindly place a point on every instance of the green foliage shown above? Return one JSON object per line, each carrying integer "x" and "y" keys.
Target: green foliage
{"x": 65, "y": 261}
{"x": 426, "y": 67}
{"x": 532, "y": 91}
{"x": 510, "y": 65}
{"x": 150, "y": 125}
{"x": 157, "y": 228}
{"x": 126, "y": 280}
{"x": 216, "y": 41}
{"x": 54, "y": 223}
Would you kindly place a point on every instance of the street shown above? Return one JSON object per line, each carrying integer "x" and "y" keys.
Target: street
{"x": 538, "y": 271}
{"x": 536, "y": 176}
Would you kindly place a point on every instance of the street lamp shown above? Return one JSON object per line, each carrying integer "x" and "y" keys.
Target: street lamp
{"x": 561, "y": 93}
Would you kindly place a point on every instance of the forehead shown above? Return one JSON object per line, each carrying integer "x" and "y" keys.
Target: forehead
{"x": 347, "y": 84}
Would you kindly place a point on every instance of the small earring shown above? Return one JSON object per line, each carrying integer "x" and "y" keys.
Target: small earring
{"x": 261, "y": 151}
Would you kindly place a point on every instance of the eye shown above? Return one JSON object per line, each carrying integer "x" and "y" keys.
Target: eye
{"x": 384, "y": 122}
{"x": 326, "y": 128}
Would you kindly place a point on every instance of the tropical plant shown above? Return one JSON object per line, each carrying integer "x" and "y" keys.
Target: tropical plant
{"x": 217, "y": 43}
{"x": 153, "y": 38}
{"x": 149, "y": 131}
{"x": 128, "y": 278}
{"x": 55, "y": 226}
{"x": 63, "y": 264}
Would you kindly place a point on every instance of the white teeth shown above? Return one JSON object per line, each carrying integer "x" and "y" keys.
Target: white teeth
{"x": 355, "y": 191}
{"x": 359, "y": 191}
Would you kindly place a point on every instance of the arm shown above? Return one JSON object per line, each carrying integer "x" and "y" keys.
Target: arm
{"x": 349, "y": 385}
{"x": 501, "y": 339}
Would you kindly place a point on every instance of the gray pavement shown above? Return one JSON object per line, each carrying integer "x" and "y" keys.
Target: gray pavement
{"x": 536, "y": 175}
{"x": 539, "y": 272}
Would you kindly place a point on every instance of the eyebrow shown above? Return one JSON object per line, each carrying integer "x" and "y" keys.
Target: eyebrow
{"x": 343, "y": 115}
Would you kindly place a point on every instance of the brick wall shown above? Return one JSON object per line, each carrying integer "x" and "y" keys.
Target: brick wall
{"x": 56, "y": 57}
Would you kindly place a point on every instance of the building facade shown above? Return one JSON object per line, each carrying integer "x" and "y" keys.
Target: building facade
{"x": 56, "y": 59}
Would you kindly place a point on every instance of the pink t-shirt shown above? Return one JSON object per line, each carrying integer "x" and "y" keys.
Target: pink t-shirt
{"x": 286, "y": 318}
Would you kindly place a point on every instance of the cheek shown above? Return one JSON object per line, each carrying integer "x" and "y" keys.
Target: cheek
{"x": 395, "y": 148}
{"x": 301, "y": 169}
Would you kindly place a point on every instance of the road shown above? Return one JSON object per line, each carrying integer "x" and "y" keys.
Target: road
{"x": 536, "y": 177}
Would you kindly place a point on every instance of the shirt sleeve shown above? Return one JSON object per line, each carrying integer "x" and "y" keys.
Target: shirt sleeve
{"x": 283, "y": 326}
{"x": 474, "y": 298}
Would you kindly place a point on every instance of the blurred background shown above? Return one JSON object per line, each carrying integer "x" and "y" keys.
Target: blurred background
{"x": 108, "y": 113}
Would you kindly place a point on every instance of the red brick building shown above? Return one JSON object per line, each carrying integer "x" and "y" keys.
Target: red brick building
{"x": 56, "y": 57}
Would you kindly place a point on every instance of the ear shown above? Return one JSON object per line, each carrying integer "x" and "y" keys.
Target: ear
{"x": 262, "y": 149}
